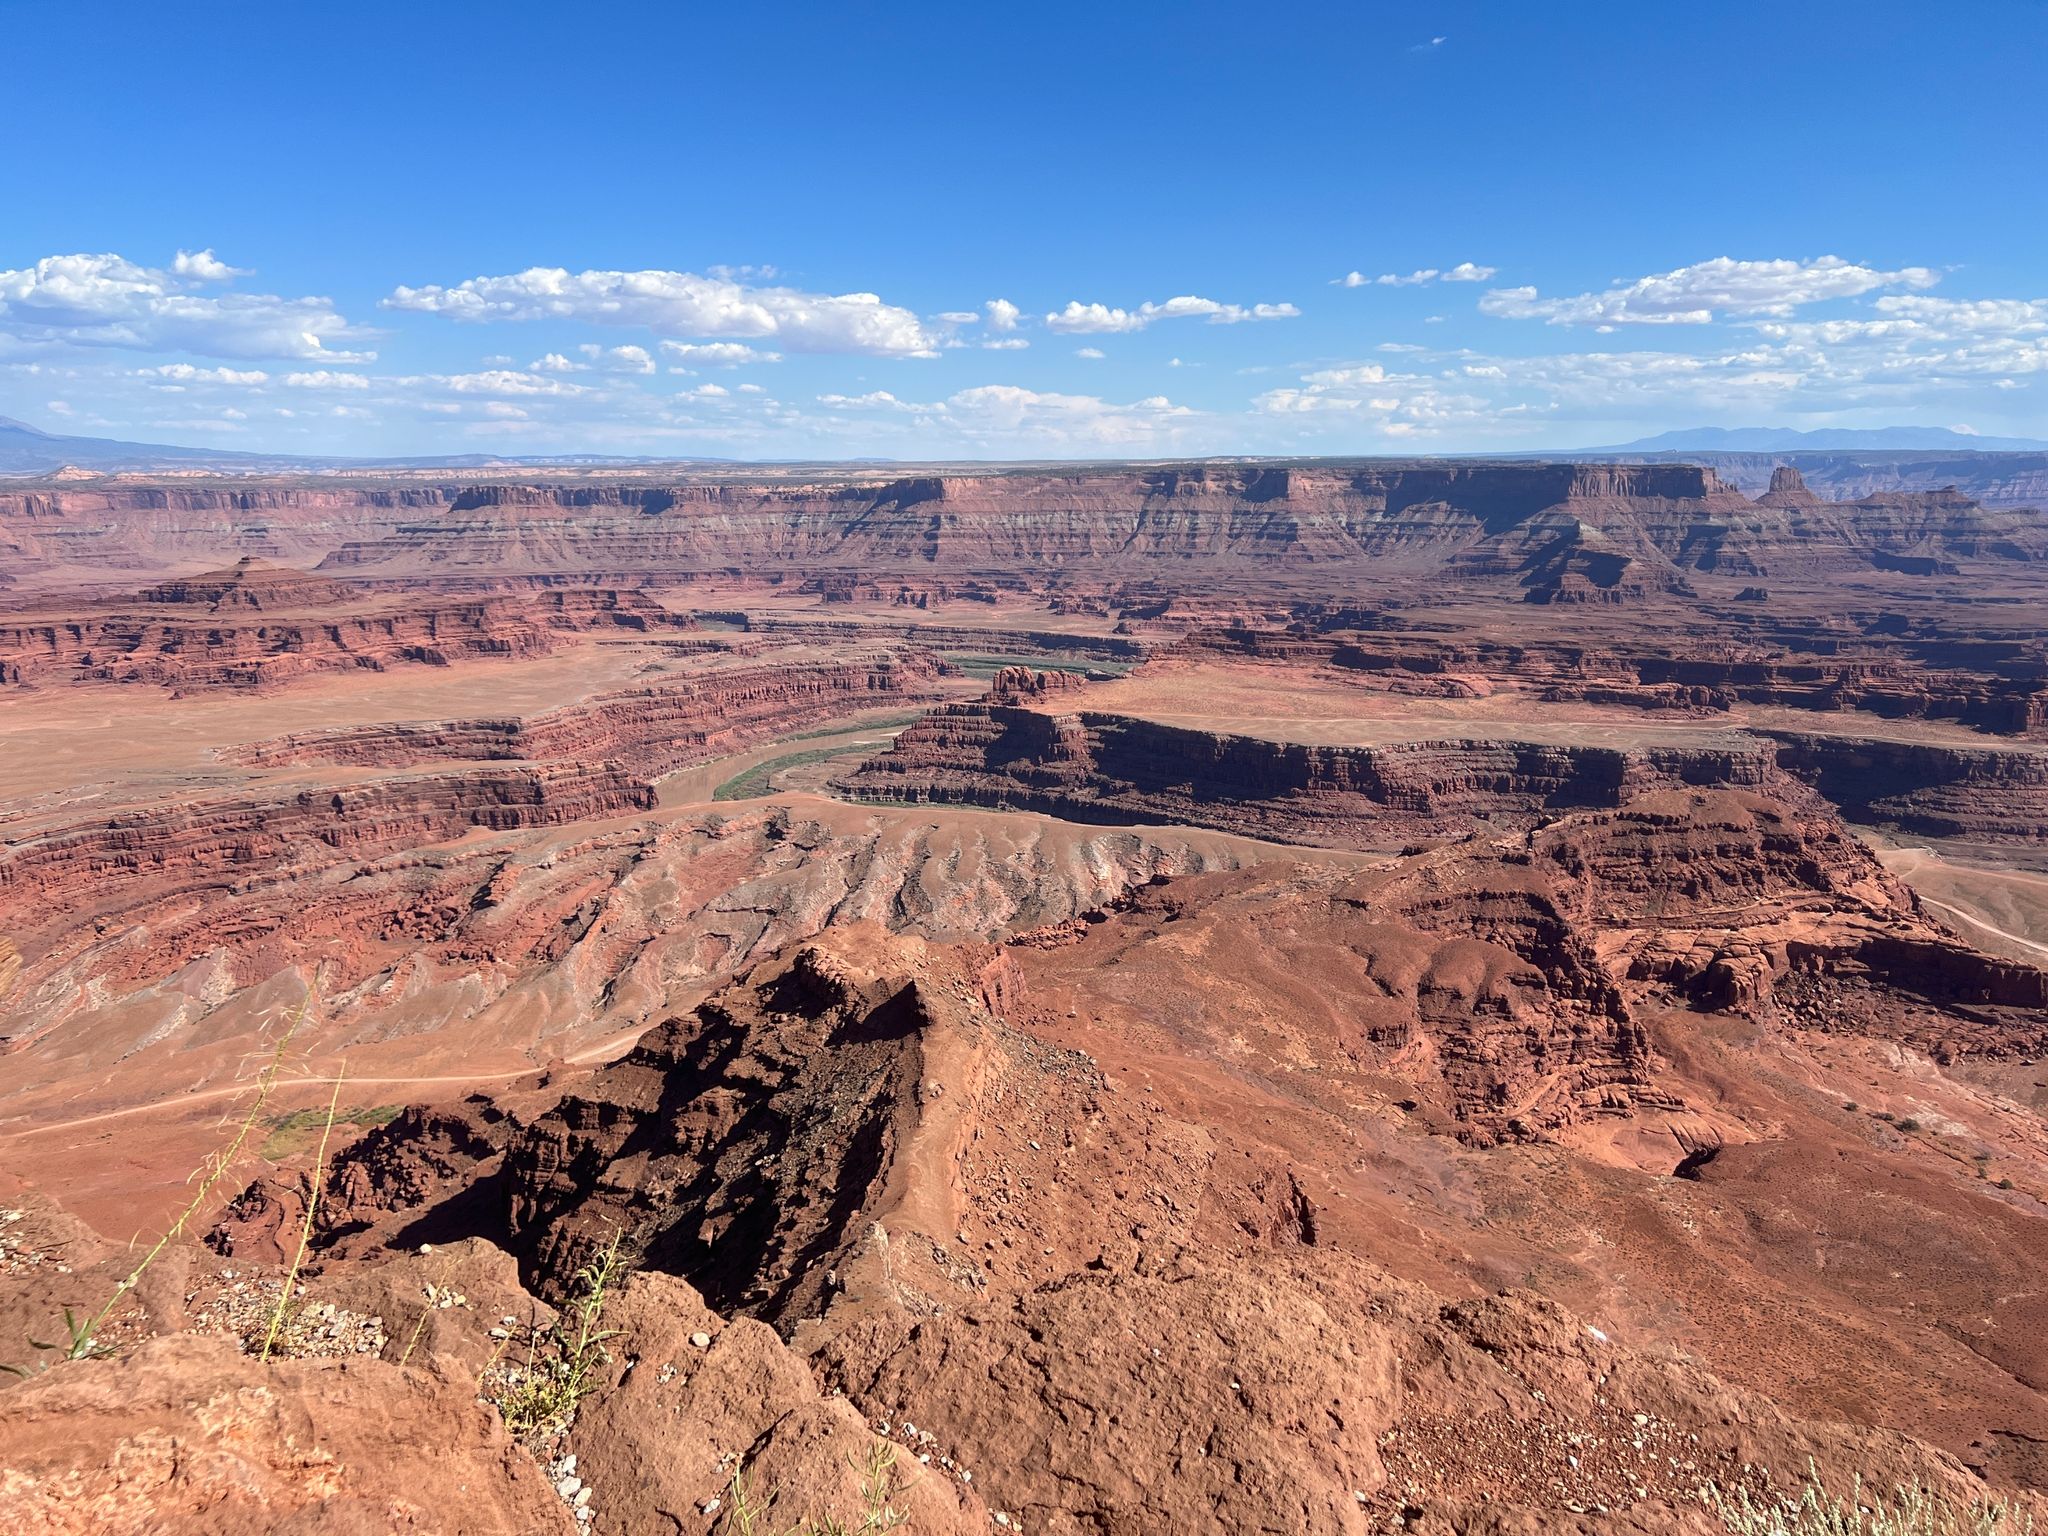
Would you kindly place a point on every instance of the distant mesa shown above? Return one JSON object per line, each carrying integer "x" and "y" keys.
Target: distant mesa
{"x": 251, "y": 583}
{"x": 1824, "y": 439}
{"x": 1788, "y": 489}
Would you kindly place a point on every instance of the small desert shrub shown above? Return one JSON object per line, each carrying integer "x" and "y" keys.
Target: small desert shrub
{"x": 538, "y": 1400}
{"x": 879, "y": 1486}
{"x": 85, "y": 1341}
{"x": 1909, "y": 1511}
{"x": 1908, "y": 1124}
{"x": 292, "y": 1132}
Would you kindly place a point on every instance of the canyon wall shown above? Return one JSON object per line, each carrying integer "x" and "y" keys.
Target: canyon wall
{"x": 214, "y": 841}
{"x": 1998, "y": 686}
{"x": 1018, "y": 749}
{"x": 1567, "y": 532}
{"x": 1982, "y": 794}
{"x": 1092, "y": 766}
{"x": 256, "y": 626}
{"x": 656, "y": 729}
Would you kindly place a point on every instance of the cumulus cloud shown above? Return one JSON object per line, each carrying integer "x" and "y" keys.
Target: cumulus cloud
{"x": 1005, "y": 344}
{"x": 1959, "y": 317}
{"x": 998, "y": 412}
{"x": 185, "y": 373}
{"x": 500, "y": 381}
{"x": 1006, "y": 418}
{"x": 1002, "y": 314}
{"x": 1698, "y": 294}
{"x": 325, "y": 378}
{"x": 1463, "y": 272}
{"x": 109, "y": 301}
{"x": 1093, "y": 354}
{"x": 626, "y": 359}
{"x": 205, "y": 267}
{"x": 873, "y": 400}
{"x": 716, "y": 354}
{"x": 679, "y": 304}
{"x": 1086, "y": 319}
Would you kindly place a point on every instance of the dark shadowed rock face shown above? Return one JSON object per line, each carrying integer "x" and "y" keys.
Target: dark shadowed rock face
{"x": 742, "y": 1143}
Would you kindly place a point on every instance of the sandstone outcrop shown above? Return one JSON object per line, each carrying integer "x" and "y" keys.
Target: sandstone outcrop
{"x": 656, "y": 729}
{"x": 212, "y": 843}
{"x": 1094, "y": 766}
{"x": 186, "y": 1436}
{"x": 258, "y": 626}
{"x": 1934, "y": 790}
{"x": 1999, "y": 687}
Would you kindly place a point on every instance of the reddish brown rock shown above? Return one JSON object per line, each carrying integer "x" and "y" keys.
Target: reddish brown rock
{"x": 186, "y": 1435}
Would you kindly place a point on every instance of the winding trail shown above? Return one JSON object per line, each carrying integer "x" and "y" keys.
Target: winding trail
{"x": 600, "y": 1052}
{"x": 1978, "y": 922}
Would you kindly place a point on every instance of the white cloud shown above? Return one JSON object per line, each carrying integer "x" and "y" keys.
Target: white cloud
{"x": 500, "y": 381}
{"x": 205, "y": 267}
{"x": 1102, "y": 319}
{"x": 1005, "y": 344}
{"x": 1956, "y": 317}
{"x": 681, "y": 304}
{"x": 324, "y": 378}
{"x": 1361, "y": 373}
{"x": 108, "y": 301}
{"x": 1366, "y": 396}
{"x": 1463, "y": 272}
{"x": 591, "y": 358}
{"x": 1005, "y": 412}
{"x": 1002, "y": 314}
{"x": 873, "y": 400}
{"x": 1093, "y": 354}
{"x": 627, "y": 359}
{"x": 1004, "y": 419}
{"x": 717, "y": 354}
{"x": 1697, "y": 294}
{"x": 185, "y": 373}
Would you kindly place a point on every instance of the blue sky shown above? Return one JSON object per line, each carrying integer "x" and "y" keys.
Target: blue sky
{"x": 908, "y": 230}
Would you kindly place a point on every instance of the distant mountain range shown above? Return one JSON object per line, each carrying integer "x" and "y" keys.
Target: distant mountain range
{"x": 1823, "y": 440}
{"x": 27, "y": 450}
